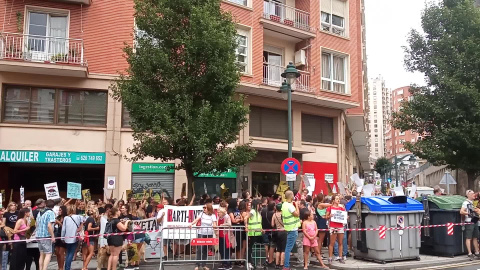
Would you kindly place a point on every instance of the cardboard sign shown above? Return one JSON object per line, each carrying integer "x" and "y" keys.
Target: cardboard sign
{"x": 51, "y": 190}
{"x": 291, "y": 177}
{"x": 22, "y": 195}
{"x": 111, "y": 182}
{"x": 413, "y": 191}
{"x": 329, "y": 178}
{"x": 398, "y": 191}
{"x": 86, "y": 195}
{"x": 74, "y": 190}
{"x": 339, "y": 216}
{"x": 368, "y": 190}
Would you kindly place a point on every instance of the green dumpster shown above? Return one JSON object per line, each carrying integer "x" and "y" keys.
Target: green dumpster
{"x": 442, "y": 210}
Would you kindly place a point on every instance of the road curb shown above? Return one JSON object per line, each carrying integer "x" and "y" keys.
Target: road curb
{"x": 403, "y": 265}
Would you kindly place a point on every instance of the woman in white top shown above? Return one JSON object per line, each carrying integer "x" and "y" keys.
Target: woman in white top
{"x": 208, "y": 220}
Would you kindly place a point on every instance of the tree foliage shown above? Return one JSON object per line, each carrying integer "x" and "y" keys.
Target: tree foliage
{"x": 446, "y": 112}
{"x": 383, "y": 165}
{"x": 180, "y": 86}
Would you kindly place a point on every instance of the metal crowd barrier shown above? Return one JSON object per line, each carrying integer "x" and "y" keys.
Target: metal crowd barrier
{"x": 203, "y": 246}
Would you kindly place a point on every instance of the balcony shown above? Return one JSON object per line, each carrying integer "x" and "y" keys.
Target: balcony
{"x": 42, "y": 55}
{"x": 285, "y": 19}
{"x": 272, "y": 76}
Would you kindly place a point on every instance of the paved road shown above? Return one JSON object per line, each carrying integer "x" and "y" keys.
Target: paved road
{"x": 475, "y": 265}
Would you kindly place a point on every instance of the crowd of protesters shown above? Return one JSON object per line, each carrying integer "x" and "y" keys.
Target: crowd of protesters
{"x": 279, "y": 225}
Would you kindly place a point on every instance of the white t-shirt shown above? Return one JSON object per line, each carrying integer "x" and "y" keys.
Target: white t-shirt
{"x": 465, "y": 206}
{"x": 207, "y": 221}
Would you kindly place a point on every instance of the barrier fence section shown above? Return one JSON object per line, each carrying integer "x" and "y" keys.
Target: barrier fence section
{"x": 203, "y": 245}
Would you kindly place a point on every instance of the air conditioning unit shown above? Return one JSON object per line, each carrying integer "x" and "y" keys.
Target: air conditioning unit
{"x": 300, "y": 58}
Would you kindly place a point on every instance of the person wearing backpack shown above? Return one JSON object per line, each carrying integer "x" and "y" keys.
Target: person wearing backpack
{"x": 72, "y": 225}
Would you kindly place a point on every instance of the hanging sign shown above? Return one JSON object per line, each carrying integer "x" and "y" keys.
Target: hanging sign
{"x": 74, "y": 190}
{"x": 22, "y": 195}
{"x": 400, "y": 221}
{"x": 51, "y": 190}
{"x": 291, "y": 177}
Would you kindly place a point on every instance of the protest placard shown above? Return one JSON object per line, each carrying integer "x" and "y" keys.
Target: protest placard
{"x": 339, "y": 216}
{"x": 86, "y": 195}
{"x": 22, "y": 195}
{"x": 74, "y": 190}
{"x": 51, "y": 190}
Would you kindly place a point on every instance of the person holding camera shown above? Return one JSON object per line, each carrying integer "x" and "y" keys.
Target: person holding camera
{"x": 471, "y": 215}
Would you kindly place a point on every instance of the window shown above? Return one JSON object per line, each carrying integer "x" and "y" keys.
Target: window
{"x": 242, "y": 53}
{"x": 268, "y": 123}
{"x": 54, "y": 106}
{"x": 400, "y": 92}
{"x": 47, "y": 35}
{"x": 402, "y": 149}
{"x": 317, "y": 129}
{"x": 402, "y": 141}
{"x": 375, "y": 125}
{"x": 374, "y": 121}
{"x": 334, "y": 72}
{"x": 376, "y": 139}
{"x": 376, "y": 145}
{"x": 401, "y": 133}
{"x": 239, "y": 2}
{"x": 125, "y": 117}
{"x": 333, "y": 14}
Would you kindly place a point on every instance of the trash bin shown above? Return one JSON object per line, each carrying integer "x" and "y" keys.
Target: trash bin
{"x": 442, "y": 210}
{"x": 391, "y": 212}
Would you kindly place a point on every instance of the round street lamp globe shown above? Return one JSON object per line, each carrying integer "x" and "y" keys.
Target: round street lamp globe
{"x": 291, "y": 73}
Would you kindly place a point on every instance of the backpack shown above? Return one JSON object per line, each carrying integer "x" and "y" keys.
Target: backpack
{"x": 109, "y": 229}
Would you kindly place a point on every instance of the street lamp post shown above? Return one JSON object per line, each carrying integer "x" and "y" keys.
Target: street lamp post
{"x": 290, "y": 75}
{"x": 412, "y": 161}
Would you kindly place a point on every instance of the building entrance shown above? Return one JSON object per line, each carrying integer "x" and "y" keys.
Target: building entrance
{"x": 33, "y": 177}
{"x": 265, "y": 183}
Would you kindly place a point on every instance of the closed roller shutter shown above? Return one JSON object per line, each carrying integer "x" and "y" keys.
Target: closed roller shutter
{"x": 158, "y": 182}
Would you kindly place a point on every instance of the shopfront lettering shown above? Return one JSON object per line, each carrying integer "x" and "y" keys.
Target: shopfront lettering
{"x": 26, "y": 156}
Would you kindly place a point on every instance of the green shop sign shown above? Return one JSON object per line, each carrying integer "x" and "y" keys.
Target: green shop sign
{"x": 153, "y": 168}
{"x": 228, "y": 174}
{"x": 56, "y": 157}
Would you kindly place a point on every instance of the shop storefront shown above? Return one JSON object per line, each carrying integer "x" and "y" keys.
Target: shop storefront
{"x": 158, "y": 177}
{"x": 208, "y": 183}
{"x": 32, "y": 169}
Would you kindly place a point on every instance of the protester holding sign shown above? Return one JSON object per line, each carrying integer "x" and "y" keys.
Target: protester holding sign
{"x": 207, "y": 220}
{"x": 335, "y": 215}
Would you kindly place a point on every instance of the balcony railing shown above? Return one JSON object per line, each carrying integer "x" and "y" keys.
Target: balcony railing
{"x": 17, "y": 46}
{"x": 287, "y": 15}
{"x": 272, "y": 75}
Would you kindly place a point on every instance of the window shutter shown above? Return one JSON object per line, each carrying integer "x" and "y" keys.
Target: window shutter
{"x": 274, "y": 124}
{"x": 339, "y": 8}
{"x": 326, "y": 5}
{"x": 255, "y": 122}
{"x": 317, "y": 129}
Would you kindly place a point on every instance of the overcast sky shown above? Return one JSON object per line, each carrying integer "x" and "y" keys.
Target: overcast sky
{"x": 388, "y": 23}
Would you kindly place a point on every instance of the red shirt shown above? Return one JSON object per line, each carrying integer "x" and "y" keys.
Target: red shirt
{"x": 335, "y": 224}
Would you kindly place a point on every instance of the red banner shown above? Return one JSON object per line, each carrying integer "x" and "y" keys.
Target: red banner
{"x": 204, "y": 241}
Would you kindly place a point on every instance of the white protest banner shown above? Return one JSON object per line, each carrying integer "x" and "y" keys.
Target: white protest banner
{"x": 341, "y": 187}
{"x": 413, "y": 191}
{"x": 155, "y": 248}
{"x": 355, "y": 178}
{"x": 368, "y": 190}
{"x": 291, "y": 177}
{"x": 51, "y": 190}
{"x": 339, "y": 216}
{"x": 22, "y": 195}
{"x": 398, "y": 191}
{"x": 181, "y": 216}
{"x": 310, "y": 177}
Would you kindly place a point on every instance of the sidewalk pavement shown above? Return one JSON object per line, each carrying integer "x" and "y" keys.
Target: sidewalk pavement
{"x": 350, "y": 264}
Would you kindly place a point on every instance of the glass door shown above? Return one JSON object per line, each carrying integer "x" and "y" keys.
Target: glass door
{"x": 274, "y": 68}
{"x": 46, "y": 39}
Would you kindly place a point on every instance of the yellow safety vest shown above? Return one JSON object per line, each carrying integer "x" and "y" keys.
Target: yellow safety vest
{"x": 255, "y": 223}
{"x": 290, "y": 222}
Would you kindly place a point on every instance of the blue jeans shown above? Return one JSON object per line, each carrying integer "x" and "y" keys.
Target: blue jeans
{"x": 345, "y": 246}
{"x": 70, "y": 253}
{"x": 291, "y": 238}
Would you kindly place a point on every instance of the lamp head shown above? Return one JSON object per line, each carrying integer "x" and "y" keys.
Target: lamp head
{"x": 412, "y": 160}
{"x": 291, "y": 73}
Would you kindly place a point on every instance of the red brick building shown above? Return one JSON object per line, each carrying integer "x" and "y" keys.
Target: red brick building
{"x": 58, "y": 122}
{"x": 395, "y": 139}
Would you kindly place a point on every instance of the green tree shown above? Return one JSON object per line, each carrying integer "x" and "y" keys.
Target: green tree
{"x": 382, "y": 166}
{"x": 446, "y": 112}
{"x": 180, "y": 87}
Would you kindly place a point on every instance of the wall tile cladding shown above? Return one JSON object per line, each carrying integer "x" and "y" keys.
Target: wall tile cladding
{"x": 351, "y": 46}
{"x": 104, "y": 26}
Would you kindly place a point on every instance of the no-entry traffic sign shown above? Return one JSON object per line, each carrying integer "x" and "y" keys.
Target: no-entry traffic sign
{"x": 290, "y": 166}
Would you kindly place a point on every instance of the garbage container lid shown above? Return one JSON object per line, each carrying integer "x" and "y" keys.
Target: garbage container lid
{"x": 386, "y": 204}
{"x": 445, "y": 202}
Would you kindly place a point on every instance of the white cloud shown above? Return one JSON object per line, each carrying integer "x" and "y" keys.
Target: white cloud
{"x": 388, "y": 24}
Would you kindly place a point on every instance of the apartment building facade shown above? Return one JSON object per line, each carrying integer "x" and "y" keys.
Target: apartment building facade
{"x": 59, "y": 123}
{"x": 379, "y": 115}
{"x": 395, "y": 138}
